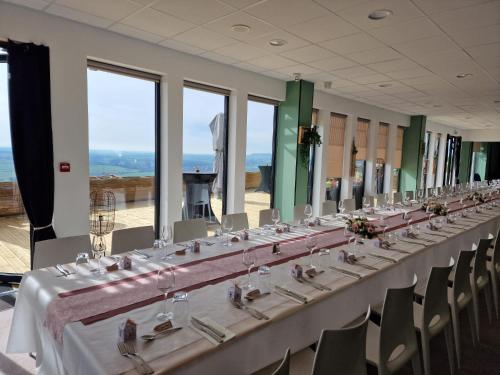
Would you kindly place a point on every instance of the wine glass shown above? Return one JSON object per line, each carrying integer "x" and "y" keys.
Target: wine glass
{"x": 308, "y": 211}
{"x": 275, "y": 216}
{"x": 341, "y": 207}
{"x": 98, "y": 250}
{"x": 227, "y": 227}
{"x": 165, "y": 281}
{"x": 383, "y": 225}
{"x": 166, "y": 237}
{"x": 366, "y": 202}
{"x": 429, "y": 213}
{"x": 249, "y": 260}
{"x": 311, "y": 242}
{"x": 348, "y": 235}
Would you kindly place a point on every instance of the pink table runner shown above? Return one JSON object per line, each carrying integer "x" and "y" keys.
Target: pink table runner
{"x": 103, "y": 301}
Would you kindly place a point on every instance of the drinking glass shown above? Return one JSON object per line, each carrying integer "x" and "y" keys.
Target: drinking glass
{"x": 165, "y": 281}
{"x": 167, "y": 237}
{"x": 366, "y": 202}
{"x": 265, "y": 279}
{"x": 249, "y": 260}
{"x": 82, "y": 261}
{"x": 429, "y": 213}
{"x": 98, "y": 251}
{"x": 275, "y": 216}
{"x": 308, "y": 211}
{"x": 383, "y": 225}
{"x": 341, "y": 207}
{"x": 311, "y": 242}
{"x": 181, "y": 308}
{"x": 227, "y": 227}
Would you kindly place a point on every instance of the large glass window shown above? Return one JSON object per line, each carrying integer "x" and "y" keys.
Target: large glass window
{"x": 383, "y": 133}
{"x": 122, "y": 143}
{"x": 397, "y": 157}
{"x": 14, "y": 225}
{"x": 361, "y": 142}
{"x": 425, "y": 161}
{"x": 335, "y": 156}
{"x": 204, "y": 152}
{"x": 261, "y": 119}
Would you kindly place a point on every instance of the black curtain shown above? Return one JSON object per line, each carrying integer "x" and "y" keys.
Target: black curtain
{"x": 493, "y": 161}
{"x": 31, "y": 132}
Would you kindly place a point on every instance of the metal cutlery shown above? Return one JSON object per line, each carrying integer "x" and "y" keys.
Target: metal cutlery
{"x": 290, "y": 293}
{"x": 130, "y": 347}
{"x": 218, "y": 332}
{"x": 314, "y": 284}
{"x": 154, "y": 336}
{"x": 365, "y": 266}
{"x": 412, "y": 242}
{"x": 63, "y": 271}
{"x": 141, "y": 253}
{"x": 203, "y": 328}
{"x": 347, "y": 272}
{"x": 383, "y": 258}
{"x": 255, "y": 313}
{"x": 137, "y": 364}
{"x": 435, "y": 235}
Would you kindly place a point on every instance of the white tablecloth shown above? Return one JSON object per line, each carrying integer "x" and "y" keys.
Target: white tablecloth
{"x": 91, "y": 349}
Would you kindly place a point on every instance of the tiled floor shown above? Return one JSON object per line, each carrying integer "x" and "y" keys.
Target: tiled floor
{"x": 14, "y": 230}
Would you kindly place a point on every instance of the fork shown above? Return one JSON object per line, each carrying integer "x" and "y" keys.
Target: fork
{"x": 255, "y": 313}
{"x": 137, "y": 365}
{"x": 130, "y": 347}
{"x": 141, "y": 253}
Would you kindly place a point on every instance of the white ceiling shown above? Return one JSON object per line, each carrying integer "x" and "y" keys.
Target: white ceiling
{"x": 417, "y": 52}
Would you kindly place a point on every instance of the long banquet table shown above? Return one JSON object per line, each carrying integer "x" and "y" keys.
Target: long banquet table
{"x": 87, "y": 311}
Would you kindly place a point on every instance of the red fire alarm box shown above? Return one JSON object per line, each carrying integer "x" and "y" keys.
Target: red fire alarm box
{"x": 64, "y": 166}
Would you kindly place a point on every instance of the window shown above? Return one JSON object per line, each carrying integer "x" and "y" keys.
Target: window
{"x": 397, "y": 157}
{"x": 383, "y": 134}
{"x": 335, "y": 156}
{"x": 123, "y": 153}
{"x": 204, "y": 158}
{"x": 261, "y": 122}
{"x": 361, "y": 141}
{"x": 425, "y": 160}
{"x": 452, "y": 160}
{"x": 14, "y": 225}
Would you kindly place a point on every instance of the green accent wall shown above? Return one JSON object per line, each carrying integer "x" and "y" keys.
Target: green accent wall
{"x": 465, "y": 162}
{"x": 411, "y": 163}
{"x": 291, "y": 175}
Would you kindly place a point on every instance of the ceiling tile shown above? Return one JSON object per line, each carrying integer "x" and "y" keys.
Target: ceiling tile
{"x": 300, "y": 68}
{"x": 335, "y": 5}
{"x": 483, "y": 35}
{"x": 358, "y": 15}
{"x": 35, "y": 4}
{"x": 78, "y": 16}
{"x": 292, "y": 41}
{"x": 323, "y": 28}
{"x": 111, "y": 9}
{"x": 157, "y": 23}
{"x": 204, "y": 38}
{"x": 240, "y": 4}
{"x": 241, "y": 51}
{"x": 333, "y": 63}
{"x": 278, "y": 75}
{"x": 374, "y": 55}
{"x": 257, "y": 27}
{"x": 136, "y": 33}
{"x": 350, "y": 73}
{"x": 487, "y": 55}
{"x": 417, "y": 48}
{"x": 371, "y": 78}
{"x": 352, "y": 43}
{"x": 285, "y": 13}
{"x": 393, "y": 65}
{"x": 219, "y": 58}
{"x": 434, "y": 6}
{"x": 440, "y": 59}
{"x": 308, "y": 54}
{"x": 183, "y": 47}
{"x": 195, "y": 11}
{"x": 409, "y": 73}
{"x": 272, "y": 62}
{"x": 407, "y": 31}
{"x": 251, "y": 67}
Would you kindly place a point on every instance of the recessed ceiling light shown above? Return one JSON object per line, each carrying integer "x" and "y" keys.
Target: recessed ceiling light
{"x": 380, "y": 14}
{"x": 385, "y": 85}
{"x": 464, "y": 75}
{"x": 277, "y": 42}
{"x": 328, "y": 84}
{"x": 240, "y": 28}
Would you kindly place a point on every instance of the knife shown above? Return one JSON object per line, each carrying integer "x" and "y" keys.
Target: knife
{"x": 291, "y": 293}
{"x": 346, "y": 272}
{"x": 383, "y": 258}
{"x": 213, "y": 329}
{"x": 206, "y": 330}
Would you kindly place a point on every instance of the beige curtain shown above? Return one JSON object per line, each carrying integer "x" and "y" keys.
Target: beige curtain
{"x": 335, "y": 151}
{"x": 314, "y": 120}
{"x": 383, "y": 133}
{"x": 398, "y": 154}
{"x": 361, "y": 139}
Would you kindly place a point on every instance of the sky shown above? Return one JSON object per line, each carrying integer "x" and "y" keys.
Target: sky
{"x": 121, "y": 116}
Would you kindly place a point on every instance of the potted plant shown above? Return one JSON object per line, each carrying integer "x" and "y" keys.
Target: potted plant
{"x": 308, "y": 137}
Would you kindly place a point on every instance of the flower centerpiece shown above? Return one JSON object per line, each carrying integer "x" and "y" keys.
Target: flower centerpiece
{"x": 436, "y": 208}
{"x": 477, "y": 196}
{"x": 361, "y": 226}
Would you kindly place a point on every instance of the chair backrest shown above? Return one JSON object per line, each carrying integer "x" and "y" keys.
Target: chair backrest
{"x": 60, "y": 250}
{"x": 371, "y": 199}
{"x": 349, "y": 204}
{"x": 298, "y": 212}
{"x": 128, "y": 239}
{"x": 266, "y": 217}
{"x": 342, "y": 351}
{"x": 461, "y": 280}
{"x": 496, "y": 253}
{"x": 436, "y": 309}
{"x": 398, "y": 340}
{"x": 430, "y": 192}
{"x": 397, "y": 197}
{"x": 381, "y": 200}
{"x": 187, "y": 230}
{"x": 284, "y": 367}
{"x": 240, "y": 220}
{"x": 329, "y": 208}
{"x": 410, "y": 194}
{"x": 479, "y": 270}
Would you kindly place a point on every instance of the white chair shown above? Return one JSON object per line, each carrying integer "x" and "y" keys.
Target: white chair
{"x": 240, "y": 220}
{"x": 284, "y": 367}
{"x": 349, "y": 204}
{"x": 187, "y": 230}
{"x": 128, "y": 239}
{"x": 433, "y": 316}
{"x": 493, "y": 266}
{"x": 329, "y": 208}
{"x": 266, "y": 217}
{"x": 409, "y": 194}
{"x": 371, "y": 200}
{"x": 381, "y": 200}
{"x": 459, "y": 298}
{"x": 60, "y": 250}
{"x": 392, "y": 344}
{"x": 397, "y": 197}
{"x": 298, "y": 212}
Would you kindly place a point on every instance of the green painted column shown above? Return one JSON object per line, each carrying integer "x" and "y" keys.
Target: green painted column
{"x": 291, "y": 174}
{"x": 465, "y": 162}
{"x": 413, "y": 150}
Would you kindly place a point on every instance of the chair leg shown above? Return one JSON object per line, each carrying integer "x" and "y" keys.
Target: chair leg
{"x": 475, "y": 303}
{"x": 455, "y": 320}
{"x": 472, "y": 323}
{"x": 488, "y": 297}
{"x": 448, "y": 334}
{"x": 415, "y": 364}
{"x": 426, "y": 355}
{"x": 494, "y": 288}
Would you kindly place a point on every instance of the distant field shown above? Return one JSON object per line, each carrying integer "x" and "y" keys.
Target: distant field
{"x": 124, "y": 164}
